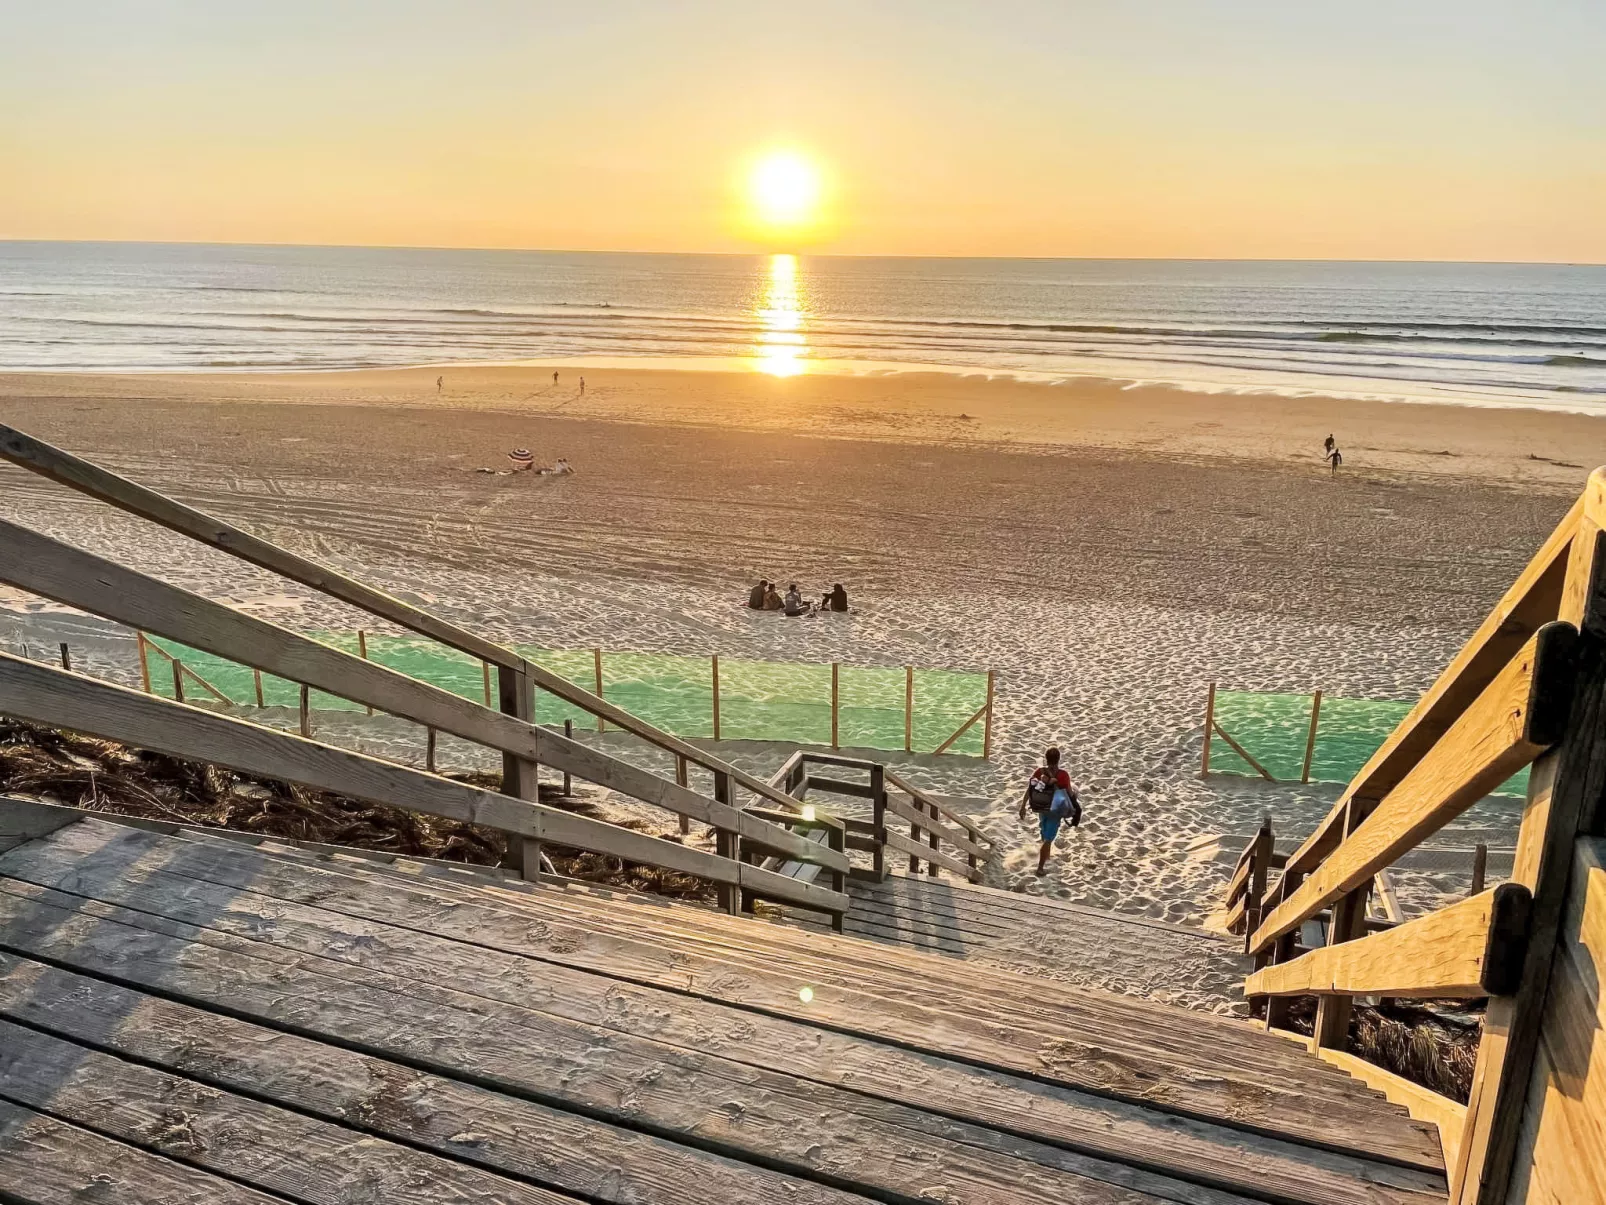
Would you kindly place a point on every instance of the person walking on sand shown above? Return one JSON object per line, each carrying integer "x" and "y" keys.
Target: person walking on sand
{"x": 1053, "y": 796}
{"x": 554, "y": 378}
{"x": 439, "y": 382}
{"x": 1334, "y": 458}
{"x": 1327, "y": 448}
{"x": 582, "y": 387}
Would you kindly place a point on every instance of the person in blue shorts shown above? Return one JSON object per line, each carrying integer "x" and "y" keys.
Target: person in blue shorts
{"x": 1053, "y": 796}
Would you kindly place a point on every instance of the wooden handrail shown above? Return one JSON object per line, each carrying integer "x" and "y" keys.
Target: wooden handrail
{"x": 1514, "y": 718}
{"x": 55, "y": 697}
{"x": 930, "y": 801}
{"x": 69, "y": 575}
{"x": 66, "y": 469}
{"x": 933, "y": 827}
{"x": 1532, "y": 601}
{"x": 1467, "y": 950}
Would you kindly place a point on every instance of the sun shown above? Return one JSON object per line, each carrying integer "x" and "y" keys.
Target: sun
{"x": 783, "y": 190}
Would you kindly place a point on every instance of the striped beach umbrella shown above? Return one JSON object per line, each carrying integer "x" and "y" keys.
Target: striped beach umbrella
{"x": 522, "y": 458}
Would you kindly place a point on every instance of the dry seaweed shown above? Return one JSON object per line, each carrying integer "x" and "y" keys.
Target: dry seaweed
{"x": 87, "y": 772}
{"x": 1427, "y": 1043}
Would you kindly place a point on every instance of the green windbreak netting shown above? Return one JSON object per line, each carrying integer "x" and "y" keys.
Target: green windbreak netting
{"x": 758, "y": 700}
{"x": 1274, "y": 729}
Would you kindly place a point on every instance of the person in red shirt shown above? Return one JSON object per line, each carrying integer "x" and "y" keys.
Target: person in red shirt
{"x": 1051, "y": 794}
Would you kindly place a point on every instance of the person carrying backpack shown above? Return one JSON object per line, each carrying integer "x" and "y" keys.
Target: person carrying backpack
{"x": 1054, "y": 797}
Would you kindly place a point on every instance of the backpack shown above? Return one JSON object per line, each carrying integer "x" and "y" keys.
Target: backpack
{"x": 1040, "y": 791}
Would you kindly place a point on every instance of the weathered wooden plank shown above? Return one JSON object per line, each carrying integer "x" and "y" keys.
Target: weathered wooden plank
{"x": 1423, "y": 1104}
{"x": 1494, "y": 737}
{"x": 265, "y": 1146}
{"x": 1116, "y": 1066}
{"x": 52, "y": 696}
{"x": 1564, "y": 783}
{"x": 562, "y": 1150}
{"x": 1561, "y": 1153}
{"x": 1533, "y": 600}
{"x": 896, "y": 840}
{"x": 795, "y": 1126}
{"x": 1466, "y": 951}
{"x": 23, "y": 820}
{"x": 958, "y": 840}
{"x": 44, "y": 1161}
{"x": 58, "y": 571}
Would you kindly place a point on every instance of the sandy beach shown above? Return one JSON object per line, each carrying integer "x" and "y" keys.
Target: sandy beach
{"x": 1107, "y": 551}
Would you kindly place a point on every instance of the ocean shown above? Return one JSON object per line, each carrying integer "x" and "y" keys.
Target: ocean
{"x": 1492, "y": 334}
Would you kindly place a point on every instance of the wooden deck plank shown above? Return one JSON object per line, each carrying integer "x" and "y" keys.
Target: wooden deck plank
{"x": 45, "y": 1161}
{"x": 802, "y": 1128}
{"x": 279, "y": 1151}
{"x": 1160, "y": 1073}
{"x": 588, "y": 1157}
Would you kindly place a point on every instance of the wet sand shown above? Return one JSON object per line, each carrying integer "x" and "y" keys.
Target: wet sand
{"x": 1107, "y": 551}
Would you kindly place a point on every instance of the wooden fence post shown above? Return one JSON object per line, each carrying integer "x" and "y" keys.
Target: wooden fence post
{"x": 429, "y": 749}
{"x": 1310, "y": 741}
{"x": 908, "y": 709}
{"x": 931, "y": 867}
{"x": 1480, "y": 867}
{"x": 596, "y": 673}
{"x": 306, "y": 710}
{"x": 987, "y": 724}
{"x": 256, "y": 681}
{"x": 362, "y": 651}
{"x": 521, "y": 778}
{"x": 714, "y": 659}
{"x": 144, "y": 662}
{"x": 568, "y": 779}
{"x": 1210, "y": 730}
{"x": 835, "y": 695}
{"x": 177, "y": 667}
{"x": 66, "y": 657}
{"x": 485, "y": 675}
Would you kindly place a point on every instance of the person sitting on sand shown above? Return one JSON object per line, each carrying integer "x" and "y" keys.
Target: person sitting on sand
{"x": 795, "y": 605}
{"x": 772, "y": 599}
{"x": 1053, "y": 796}
{"x": 755, "y": 597}
{"x": 836, "y": 600}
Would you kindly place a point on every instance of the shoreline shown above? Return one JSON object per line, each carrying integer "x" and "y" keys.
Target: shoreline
{"x": 1515, "y": 446}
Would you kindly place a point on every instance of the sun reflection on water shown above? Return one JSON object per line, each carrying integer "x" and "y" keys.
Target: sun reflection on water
{"x": 781, "y": 348}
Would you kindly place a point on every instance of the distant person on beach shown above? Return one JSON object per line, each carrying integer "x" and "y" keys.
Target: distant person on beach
{"x": 1053, "y": 796}
{"x": 755, "y": 597}
{"x": 835, "y": 600}
{"x": 554, "y": 378}
{"x": 440, "y": 382}
{"x": 582, "y": 387}
{"x": 795, "y": 605}
{"x": 1335, "y": 458}
{"x": 1327, "y": 448}
{"x": 772, "y": 599}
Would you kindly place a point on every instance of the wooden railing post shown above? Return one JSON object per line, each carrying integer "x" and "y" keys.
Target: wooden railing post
{"x": 66, "y": 657}
{"x": 256, "y": 682}
{"x": 878, "y": 802}
{"x": 1278, "y": 1007}
{"x": 1310, "y": 740}
{"x": 1210, "y": 730}
{"x": 177, "y": 667}
{"x": 362, "y": 651}
{"x": 1480, "y": 867}
{"x": 914, "y": 835}
{"x": 596, "y": 668}
{"x": 725, "y": 845}
{"x": 682, "y": 773}
{"x": 1564, "y": 783}
{"x": 1346, "y": 922}
{"x": 306, "y": 708}
{"x": 521, "y": 778}
{"x": 1259, "y": 864}
{"x": 568, "y": 779}
{"x": 429, "y": 749}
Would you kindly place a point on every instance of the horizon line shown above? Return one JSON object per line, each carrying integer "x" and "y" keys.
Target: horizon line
{"x": 1207, "y": 259}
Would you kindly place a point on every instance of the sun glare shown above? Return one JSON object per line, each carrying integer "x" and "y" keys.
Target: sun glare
{"x": 784, "y": 191}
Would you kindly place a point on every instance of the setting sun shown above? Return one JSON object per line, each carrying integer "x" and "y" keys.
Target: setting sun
{"x": 783, "y": 190}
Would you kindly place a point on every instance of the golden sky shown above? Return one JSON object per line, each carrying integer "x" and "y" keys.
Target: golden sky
{"x": 1414, "y": 129}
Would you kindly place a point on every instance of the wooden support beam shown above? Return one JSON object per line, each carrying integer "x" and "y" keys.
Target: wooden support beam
{"x": 144, "y": 665}
{"x": 1244, "y": 753}
{"x": 177, "y": 667}
{"x": 987, "y": 725}
{"x": 914, "y": 792}
{"x": 1465, "y": 951}
{"x": 66, "y": 656}
{"x": 306, "y": 710}
{"x": 1564, "y": 784}
{"x": 1480, "y": 867}
{"x": 1383, "y": 885}
{"x": 836, "y": 695}
{"x": 1516, "y": 717}
{"x": 962, "y": 729}
{"x": 362, "y": 651}
{"x": 714, "y": 671}
{"x": 596, "y": 671}
{"x": 1421, "y": 1103}
{"x": 908, "y": 708}
{"x": 1209, "y": 729}
{"x": 256, "y": 682}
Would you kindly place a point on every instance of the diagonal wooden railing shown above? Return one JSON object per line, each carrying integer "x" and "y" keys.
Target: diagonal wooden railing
{"x": 1528, "y": 688}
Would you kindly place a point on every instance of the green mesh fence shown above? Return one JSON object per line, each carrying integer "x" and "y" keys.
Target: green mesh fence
{"x": 758, "y": 700}
{"x": 1274, "y": 729}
